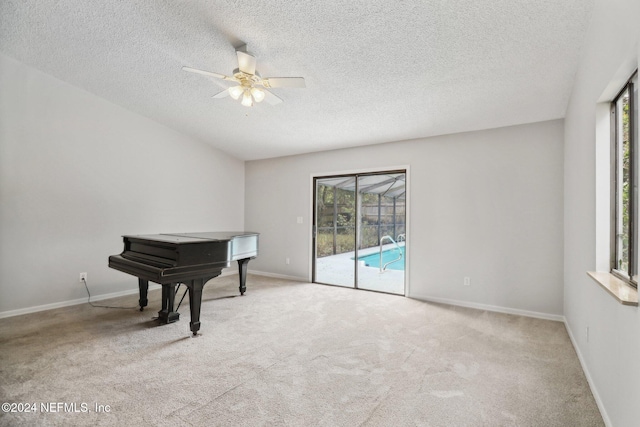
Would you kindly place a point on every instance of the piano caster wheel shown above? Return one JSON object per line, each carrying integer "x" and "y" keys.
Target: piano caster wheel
{"x": 141, "y": 308}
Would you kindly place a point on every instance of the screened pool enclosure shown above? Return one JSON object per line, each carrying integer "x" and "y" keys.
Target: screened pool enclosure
{"x": 360, "y": 231}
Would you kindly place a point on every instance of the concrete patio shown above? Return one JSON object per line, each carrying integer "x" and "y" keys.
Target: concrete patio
{"x": 339, "y": 270}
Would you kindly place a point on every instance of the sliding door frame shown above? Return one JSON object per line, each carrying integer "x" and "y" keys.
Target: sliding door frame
{"x": 405, "y": 169}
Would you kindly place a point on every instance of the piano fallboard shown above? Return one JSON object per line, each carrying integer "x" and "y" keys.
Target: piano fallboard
{"x": 172, "y": 258}
{"x": 165, "y": 275}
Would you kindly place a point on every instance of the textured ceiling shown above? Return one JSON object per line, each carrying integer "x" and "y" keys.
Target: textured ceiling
{"x": 376, "y": 70}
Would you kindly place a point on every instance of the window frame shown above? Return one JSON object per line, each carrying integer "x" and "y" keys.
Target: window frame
{"x": 630, "y": 274}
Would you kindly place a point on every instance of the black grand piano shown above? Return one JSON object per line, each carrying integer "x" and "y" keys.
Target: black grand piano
{"x": 184, "y": 258}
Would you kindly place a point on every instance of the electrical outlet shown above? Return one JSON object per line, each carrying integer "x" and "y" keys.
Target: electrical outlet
{"x": 467, "y": 281}
{"x": 587, "y": 333}
{"x": 83, "y": 277}
{"x": 287, "y": 261}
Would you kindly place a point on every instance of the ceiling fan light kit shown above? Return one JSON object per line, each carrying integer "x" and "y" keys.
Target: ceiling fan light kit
{"x": 247, "y": 101}
{"x": 248, "y": 80}
{"x": 258, "y": 94}
{"x": 236, "y": 92}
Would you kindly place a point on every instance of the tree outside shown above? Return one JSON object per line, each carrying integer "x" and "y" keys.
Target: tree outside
{"x": 336, "y": 220}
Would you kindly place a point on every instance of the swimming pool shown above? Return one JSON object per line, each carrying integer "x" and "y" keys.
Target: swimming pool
{"x": 373, "y": 260}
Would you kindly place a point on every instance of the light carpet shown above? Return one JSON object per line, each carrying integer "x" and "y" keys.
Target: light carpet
{"x": 292, "y": 354}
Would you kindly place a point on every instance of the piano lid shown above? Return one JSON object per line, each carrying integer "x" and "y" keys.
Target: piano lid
{"x": 216, "y": 235}
{"x": 192, "y": 237}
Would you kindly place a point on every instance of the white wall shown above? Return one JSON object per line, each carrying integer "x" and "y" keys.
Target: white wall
{"x": 77, "y": 172}
{"x": 486, "y": 204}
{"x": 611, "y": 355}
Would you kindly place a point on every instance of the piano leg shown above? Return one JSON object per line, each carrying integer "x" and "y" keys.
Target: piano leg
{"x": 167, "y": 315}
{"x": 195, "y": 302}
{"x": 143, "y": 285}
{"x": 242, "y": 273}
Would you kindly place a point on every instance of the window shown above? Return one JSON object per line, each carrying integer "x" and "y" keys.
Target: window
{"x": 624, "y": 127}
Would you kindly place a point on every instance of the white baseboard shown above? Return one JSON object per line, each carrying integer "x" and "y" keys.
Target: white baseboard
{"x": 94, "y": 298}
{"x": 592, "y": 386}
{"x": 498, "y": 309}
{"x": 78, "y": 301}
{"x": 280, "y": 276}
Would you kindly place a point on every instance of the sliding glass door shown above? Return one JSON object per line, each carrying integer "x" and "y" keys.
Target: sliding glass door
{"x": 335, "y": 228}
{"x": 360, "y": 231}
{"x": 381, "y": 233}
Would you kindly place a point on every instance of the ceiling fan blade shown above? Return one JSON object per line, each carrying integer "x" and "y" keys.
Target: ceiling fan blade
{"x": 271, "y": 99}
{"x": 209, "y": 74}
{"x": 246, "y": 62}
{"x": 222, "y": 94}
{"x": 284, "y": 82}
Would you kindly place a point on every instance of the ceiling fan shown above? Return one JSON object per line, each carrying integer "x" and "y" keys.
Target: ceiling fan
{"x": 250, "y": 85}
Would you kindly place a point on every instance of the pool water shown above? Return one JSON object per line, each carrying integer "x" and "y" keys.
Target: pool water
{"x": 373, "y": 260}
